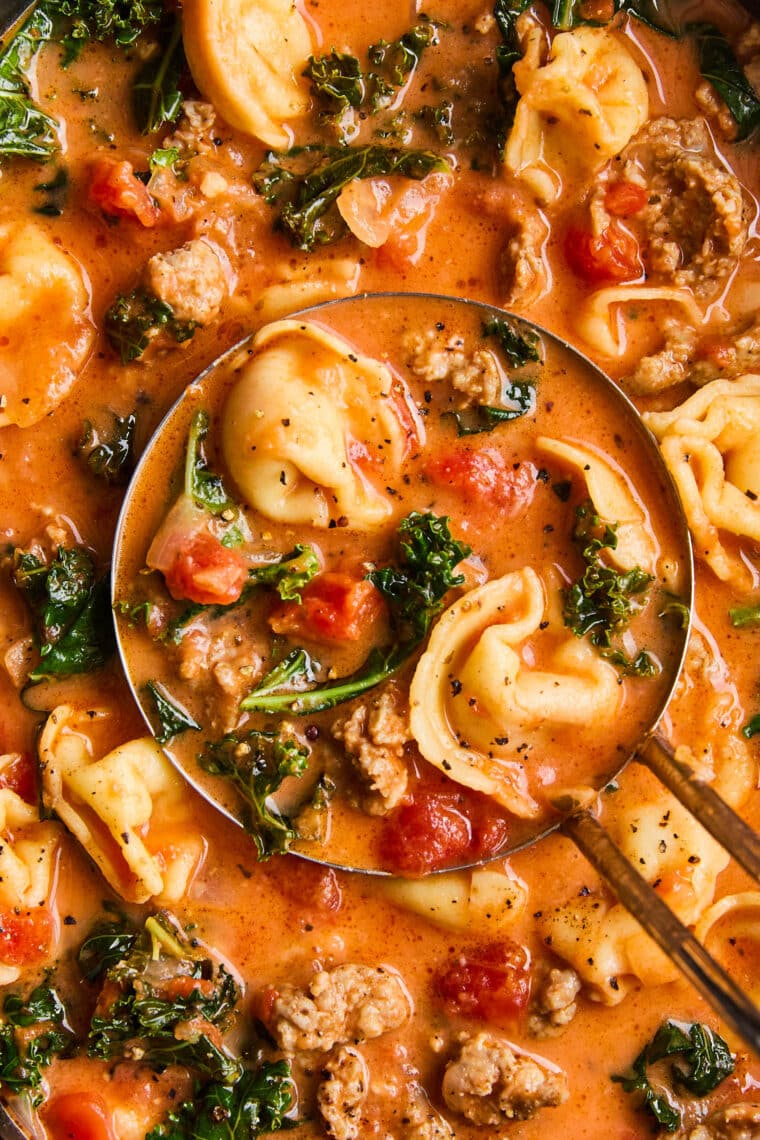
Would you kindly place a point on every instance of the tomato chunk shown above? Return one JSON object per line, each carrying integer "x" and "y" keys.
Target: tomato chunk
{"x": 183, "y": 986}
{"x": 78, "y": 1116}
{"x": 20, "y": 776}
{"x": 611, "y": 256}
{"x": 491, "y": 982}
{"x": 204, "y": 571}
{"x": 440, "y": 829}
{"x": 26, "y": 936}
{"x": 115, "y": 187}
{"x": 624, "y": 199}
{"x": 484, "y": 476}
{"x": 335, "y": 606}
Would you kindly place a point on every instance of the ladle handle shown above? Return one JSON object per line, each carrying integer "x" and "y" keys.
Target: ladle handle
{"x": 713, "y": 813}
{"x": 636, "y": 895}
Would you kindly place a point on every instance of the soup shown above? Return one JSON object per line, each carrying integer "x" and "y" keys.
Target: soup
{"x": 328, "y": 511}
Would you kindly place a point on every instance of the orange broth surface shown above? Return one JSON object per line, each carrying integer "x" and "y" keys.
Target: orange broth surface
{"x": 279, "y": 922}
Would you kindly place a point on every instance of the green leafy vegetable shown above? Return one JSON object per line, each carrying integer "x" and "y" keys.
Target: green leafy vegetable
{"x": 705, "y": 1060}
{"x": 256, "y": 764}
{"x": 72, "y": 611}
{"x": 41, "y": 1018}
{"x": 719, "y": 66}
{"x": 414, "y": 589}
{"x": 256, "y": 1104}
{"x": 25, "y": 130}
{"x": 744, "y": 615}
{"x": 304, "y": 184}
{"x": 156, "y": 94}
{"x": 398, "y": 59}
{"x": 164, "y": 158}
{"x": 519, "y": 344}
{"x": 109, "y": 944}
{"x": 603, "y": 600}
{"x": 507, "y": 54}
{"x": 164, "y": 1015}
{"x": 567, "y": 14}
{"x": 678, "y": 610}
{"x": 336, "y": 81}
{"x": 172, "y": 718}
{"x": 56, "y": 190}
{"x": 752, "y": 727}
{"x": 136, "y": 318}
{"x": 81, "y": 21}
{"x": 109, "y": 454}
{"x": 290, "y": 574}
{"x": 202, "y": 485}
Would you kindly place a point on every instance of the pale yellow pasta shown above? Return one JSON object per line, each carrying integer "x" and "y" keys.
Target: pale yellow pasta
{"x": 461, "y": 728}
{"x": 711, "y": 444}
{"x": 302, "y": 405}
{"x": 576, "y": 111}
{"x": 46, "y": 330}
{"x": 308, "y": 285}
{"x": 601, "y": 322}
{"x": 247, "y": 58}
{"x": 614, "y": 501}
{"x": 120, "y": 807}
{"x": 486, "y": 901}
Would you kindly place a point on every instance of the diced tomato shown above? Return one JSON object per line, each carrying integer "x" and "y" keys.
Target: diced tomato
{"x": 25, "y": 937}
{"x": 183, "y": 986}
{"x": 207, "y": 572}
{"x": 316, "y": 889}
{"x": 435, "y": 830}
{"x": 485, "y": 476}
{"x": 612, "y": 256}
{"x": 78, "y": 1116}
{"x": 719, "y": 352}
{"x": 120, "y": 193}
{"x": 624, "y": 199}
{"x": 20, "y": 776}
{"x": 335, "y": 607}
{"x": 491, "y": 983}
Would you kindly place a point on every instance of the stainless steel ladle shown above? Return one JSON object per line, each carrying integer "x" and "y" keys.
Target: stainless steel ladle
{"x": 148, "y": 488}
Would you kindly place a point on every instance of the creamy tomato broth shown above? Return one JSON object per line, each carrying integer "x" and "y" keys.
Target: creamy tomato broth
{"x": 588, "y": 176}
{"x": 513, "y": 496}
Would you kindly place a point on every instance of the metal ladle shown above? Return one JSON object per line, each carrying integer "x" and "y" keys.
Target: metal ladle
{"x": 579, "y": 824}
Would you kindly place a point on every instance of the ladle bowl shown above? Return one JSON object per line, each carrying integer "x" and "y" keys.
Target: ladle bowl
{"x": 378, "y": 326}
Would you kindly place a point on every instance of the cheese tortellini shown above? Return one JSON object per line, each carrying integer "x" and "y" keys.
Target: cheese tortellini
{"x": 305, "y": 421}
{"x": 484, "y": 901}
{"x": 601, "y": 316}
{"x": 576, "y": 111}
{"x": 247, "y": 57}
{"x": 46, "y": 330}
{"x": 711, "y": 444}
{"x": 475, "y": 701}
{"x": 128, "y": 809}
{"x": 614, "y": 501}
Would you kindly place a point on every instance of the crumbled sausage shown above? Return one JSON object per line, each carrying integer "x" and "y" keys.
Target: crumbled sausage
{"x": 555, "y": 1005}
{"x": 232, "y": 669}
{"x": 522, "y": 270}
{"x": 192, "y": 280}
{"x": 350, "y": 1003}
{"x": 735, "y": 353}
{"x": 694, "y": 219}
{"x": 735, "y": 1122}
{"x": 374, "y": 736}
{"x": 436, "y": 356}
{"x": 193, "y": 133}
{"x": 492, "y": 1084}
{"x": 342, "y": 1093}
{"x": 669, "y": 366}
{"x": 420, "y": 1120}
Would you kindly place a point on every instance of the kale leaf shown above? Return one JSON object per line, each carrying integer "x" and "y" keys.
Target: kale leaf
{"x": 156, "y": 95}
{"x": 719, "y": 66}
{"x": 109, "y": 454}
{"x": 705, "y": 1060}
{"x": 752, "y": 727}
{"x": 508, "y": 53}
{"x": 56, "y": 191}
{"x": 304, "y": 183}
{"x": 414, "y": 590}
{"x": 72, "y": 612}
{"x": 398, "y": 59}
{"x": 256, "y": 764}
{"x": 567, "y": 14}
{"x": 337, "y": 81}
{"x": 521, "y": 347}
{"x": 136, "y": 318}
{"x": 289, "y": 574}
{"x": 202, "y": 485}
{"x": 25, "y": 130}
{"x": 107, "y": 945}
{"x": 81, "y": 21}
{"x": 603, "y": 600}
{"x": 253, "y": 1106}
{"x": 744, "y": 615}
{"x": 172, "y": 718}
{"x": 41, "y": 1017}
{"x": 519, "y": 344}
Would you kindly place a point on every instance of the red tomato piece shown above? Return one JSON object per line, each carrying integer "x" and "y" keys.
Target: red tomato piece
{"x": 491, "y": 983}
{"x": 624, "y": 199}
{"x": 207, "y": 572}
{"x": 316, "y": 889}
{"x": 719, "y": 352}
{"x": 485, "y": 476}
{"x": 78, "y": 1116}
{"x": 612, "y": 256}
{"x": 20, "y": 776}
{"x": 436, "y": 830}
{"x": 25, "y": 937}
{"x": 183, "y": 986}
{"x": 335, "y": 607}
{"x": 115, "y": 187}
